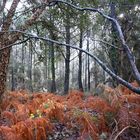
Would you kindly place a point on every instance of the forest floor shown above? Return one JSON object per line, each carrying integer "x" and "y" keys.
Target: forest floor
{"x": 113, "y": 115}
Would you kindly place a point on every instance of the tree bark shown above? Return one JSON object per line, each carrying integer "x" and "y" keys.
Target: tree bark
{"x": 46, "y": 66}
{"x": 52, "y": 51}
{"x": 7, "y": 39}
{"x": 2, "y": 6}
{"x": 4, "y": 61}
{"x": 53, "y": 84}
{"x": 85, "y": 73}
{"x": 14, "y": 71}
{"x": 96, "y": 75}
{"x": 23, "y": 67}
{"x": 30, "y": 66}
{"x": 67, "y": 59}
{"x": 113, "y": 52}
{"x": 88, "y": 62}
{"x": 80, "y": 84}
{"x": 12, "y": 77}
{"x": 4, "y": 41}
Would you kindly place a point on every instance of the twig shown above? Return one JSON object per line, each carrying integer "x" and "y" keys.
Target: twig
{"x": 123, "y": 131}
{"x": 9, "y": 46}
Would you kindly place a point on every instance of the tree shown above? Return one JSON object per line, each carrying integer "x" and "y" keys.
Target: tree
{"x": 8, "y": 38}
{"x": 80, "y": 61}
{"x": 130, "y": 26}
{"x": 67, "y": 59}
{"x": 125, "y": 47}
{"x": 87, "y": 67}
{"x": 30, "y": 66}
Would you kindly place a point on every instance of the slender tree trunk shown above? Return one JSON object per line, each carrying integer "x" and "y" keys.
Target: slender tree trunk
{"x": 88, "y": 62}
{"x": 72, "y": 75}
{"x": 54, "y": 37}
{"x": 88, "y": 74}
{"x": 67, "y": 59}
{"x": 85, "y": 72}
{"x": 95, "y": 74}
{"x": 53, "y": 84}
{"x": 12, "y": 79}
{"x": 12, "y": 73}
{"x": 46, "y": 67}
{"x": 34, "y": 66}
{"x": 30, "y": 66}
{"x": 49, "y": 64}
{"x": 113, "y": 52}
{"x": 80, "y": 62}
{"x": 23, "y": 66}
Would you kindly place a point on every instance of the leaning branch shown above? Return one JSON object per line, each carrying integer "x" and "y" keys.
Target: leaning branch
{"x": 3, "y": 6}
{"x": 10, "y": 15}
{"x": 17, "y": 43}
{"x": 130, "y": 56}
{"x": 105, "y": 68}
{"x": 28, "y": 23}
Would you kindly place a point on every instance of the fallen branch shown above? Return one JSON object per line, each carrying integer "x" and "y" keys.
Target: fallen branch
{"x": 123, "y": 131}
{"x": 130, "y": 56}
{"x": 17, "y": 43}
{"x": 105, "y": 68}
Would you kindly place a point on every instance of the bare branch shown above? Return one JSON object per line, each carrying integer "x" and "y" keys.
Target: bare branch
{"x": 61, "y": 52}
{"x": 123, "y": 131}
{"x": 2, "y": 6}
{"x": 10, "y": 15}
{"x": 120, "y": 34}
{"x": 105, "y": 68}
{"x": 9, "y": 46}
{"x": 15, "y": 36}
{"x": 107, "y": 43}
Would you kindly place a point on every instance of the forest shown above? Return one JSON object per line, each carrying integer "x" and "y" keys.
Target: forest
{"x": 69, "y": 70}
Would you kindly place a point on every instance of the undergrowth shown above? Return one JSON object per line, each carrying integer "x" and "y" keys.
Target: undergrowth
{"x": 113, "y": 115}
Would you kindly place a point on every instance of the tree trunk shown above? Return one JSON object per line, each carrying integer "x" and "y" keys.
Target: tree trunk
{"x": 6, "y": 39}
{"x": 88, "y": 62}
{"x": 67, "y": 59}
{"x": 52, "y": 52}
{"x": 53, "y": 84}
{"x": 4, "y": 61}
{"x": 88, "y": 74}
{"x": 85, "y": 72}
{"x": 46, "y": 66}
{"x": 113, "y": 52}
{"x": 23, "y": 67}
{"x": 30, "y": 66}
{"x": 95, "y": 74}
{"x": 14, "y": 71}
{"x": 12, "y": 78}
{"x": 80, "y": 62}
